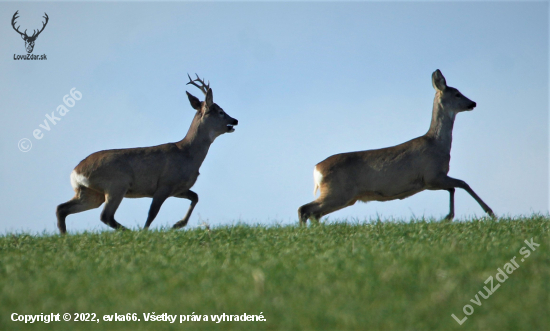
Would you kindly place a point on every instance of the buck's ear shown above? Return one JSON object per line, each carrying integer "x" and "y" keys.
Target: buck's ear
{"x": 209, "y": 98}
{"x": 195, "y": 103}
{"x": 438, "y": 81}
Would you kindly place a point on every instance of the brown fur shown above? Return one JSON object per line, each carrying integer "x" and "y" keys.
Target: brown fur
{"x": 396, "y": 172}
{"x": 158, "y": 172}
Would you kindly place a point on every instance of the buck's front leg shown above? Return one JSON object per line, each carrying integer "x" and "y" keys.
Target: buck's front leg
{"x": 158, "y": 199}
{"x": 194, "y": 199}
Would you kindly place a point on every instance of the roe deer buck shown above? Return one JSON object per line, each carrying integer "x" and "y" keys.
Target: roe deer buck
{"x": 158, "y": 172}
{"x": 395, "y": 172}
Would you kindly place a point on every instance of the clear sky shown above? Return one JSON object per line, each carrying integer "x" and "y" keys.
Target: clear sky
{"x": 305, "y": 80}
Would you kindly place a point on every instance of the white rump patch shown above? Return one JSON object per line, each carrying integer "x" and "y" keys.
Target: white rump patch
{"x": 78, "y": 180}
{"x": 317, "y": 178}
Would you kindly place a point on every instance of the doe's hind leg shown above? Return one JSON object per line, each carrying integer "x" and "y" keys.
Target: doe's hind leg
{"x": 322, "y": 206}
{"x": 309, "y": 210}
{"x": 84, "y": 199}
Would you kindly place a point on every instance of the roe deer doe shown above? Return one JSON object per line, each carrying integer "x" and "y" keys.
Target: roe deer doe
{"x": 158, "y": 172}
{"x": 395, "y": 172}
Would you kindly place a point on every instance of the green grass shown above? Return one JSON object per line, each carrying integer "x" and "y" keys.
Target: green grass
{"x": 337, "y": 276}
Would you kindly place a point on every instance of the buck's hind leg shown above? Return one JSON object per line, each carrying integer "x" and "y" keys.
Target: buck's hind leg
{"x": 113, "y": 199}
{"x": 194, "y": 200}
{"x": 84, "y": 199}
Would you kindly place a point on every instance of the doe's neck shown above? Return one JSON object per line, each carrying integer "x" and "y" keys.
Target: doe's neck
{"x": 441, "y": 127}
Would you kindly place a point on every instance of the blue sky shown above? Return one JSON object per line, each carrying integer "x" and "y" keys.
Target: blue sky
{"x": 305, "y": 80}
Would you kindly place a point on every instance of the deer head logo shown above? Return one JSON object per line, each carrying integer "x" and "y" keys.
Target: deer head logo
{"x": 29, "y": 40}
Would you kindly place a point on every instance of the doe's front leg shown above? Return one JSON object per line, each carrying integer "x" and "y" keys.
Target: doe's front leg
{"x": 451, "y": 205}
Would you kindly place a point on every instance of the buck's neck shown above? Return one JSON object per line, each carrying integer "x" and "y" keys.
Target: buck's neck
{"x": 197, "y": 141}
{"x": 441, "y": 128}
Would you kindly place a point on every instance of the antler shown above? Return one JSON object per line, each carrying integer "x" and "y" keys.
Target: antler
{"x": 43, "y": 26}
{"x": 204, "y": 88}
{"x": 13, "y": 24}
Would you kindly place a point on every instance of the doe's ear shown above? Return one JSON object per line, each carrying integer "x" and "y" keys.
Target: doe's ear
{"x": 438, "y": 81}
{"x": 209, "y": 98}
{"x": 195, "y": 103}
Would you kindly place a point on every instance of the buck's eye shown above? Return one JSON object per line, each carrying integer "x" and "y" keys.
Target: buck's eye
{"x": 458, "y": 95}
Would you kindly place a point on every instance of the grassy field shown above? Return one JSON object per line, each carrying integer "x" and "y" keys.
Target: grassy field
{"x": 337, "y": 276}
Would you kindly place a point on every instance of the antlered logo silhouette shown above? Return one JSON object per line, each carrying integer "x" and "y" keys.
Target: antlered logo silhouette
{"x": 29, "y": 40}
